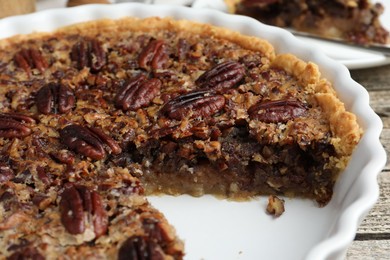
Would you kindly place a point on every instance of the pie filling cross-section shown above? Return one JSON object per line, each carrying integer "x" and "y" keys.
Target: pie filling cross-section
{"x": 97, "y": 115}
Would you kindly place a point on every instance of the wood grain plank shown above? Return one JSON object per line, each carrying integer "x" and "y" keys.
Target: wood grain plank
{"x": 369, "y": 250}
{"x": 373, "y": 78}
{"x": 378, "y": 219}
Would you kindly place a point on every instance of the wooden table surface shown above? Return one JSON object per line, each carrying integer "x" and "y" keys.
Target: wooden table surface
{"x": 372, "y": 240}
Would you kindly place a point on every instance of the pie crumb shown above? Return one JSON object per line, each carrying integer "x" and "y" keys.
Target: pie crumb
{"x": 275, "y": 206}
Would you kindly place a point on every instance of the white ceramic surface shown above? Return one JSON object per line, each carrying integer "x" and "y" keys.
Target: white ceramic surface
{"x": 216, "y": 229}
{"x": 353, "y": 58}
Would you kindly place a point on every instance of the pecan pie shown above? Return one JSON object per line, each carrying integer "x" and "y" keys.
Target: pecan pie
{"x": 354, "y": 20}
{"x": 97, "y": 115}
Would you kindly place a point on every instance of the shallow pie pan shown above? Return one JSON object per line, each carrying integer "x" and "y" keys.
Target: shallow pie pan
{"x": 219, "y": 229}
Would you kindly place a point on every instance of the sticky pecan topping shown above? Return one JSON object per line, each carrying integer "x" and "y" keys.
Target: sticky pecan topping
{"x": 137, "y": 93}
{"x": 153, "y": 55}
{"x": 90, "y": 142}
{"x": 28, "y": 59}
{"x": 223, "y": 75}
{"x": 89, "y": 53}
{"x": 277, "y": 111}
{"x": 55, "y": 98}
{"x": 76, "y": 200}
{"x": 14, "y": 125}
{"x": 199, "y": 103}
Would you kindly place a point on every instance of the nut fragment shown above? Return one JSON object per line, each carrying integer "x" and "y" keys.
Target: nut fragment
{"x": 55, "y": 97}
{"x": 137, "y": 93}
{"x": 89, "y": 142}
{"x": 153, "y": 55}
{"x": 224, "y": 75}
{"x": 29, "y": 59}
{"x": 26, "y": 253}
{"x": 277, "y": 111}
{"x": 199, "y": 103}
{"x": 89, "y": 53}
{"x": 14, "y": 125}
{"x": 76, "y": 200}
{"x": 138, "y": 247}
{"x": 275, "y": 206}
{"x": 6, "y": 173}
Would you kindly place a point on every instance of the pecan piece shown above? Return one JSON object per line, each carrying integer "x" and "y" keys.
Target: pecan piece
{"x": 153, "y": 55}
{"x": 89, "y": 53}
{"x": 76, "y": 200}
{"x": 89, "y": 142}
{"x": 223, "y": 75}
{"x": 26, "y": 253}
{"x": 137, "y": 93}
{"x": 198, "y": 103}
{"x": 138, "y": 247}
{"x": 13, "y": 125}
{"x": 55, "y": 97}
{"x": 277, "y": 111}
{"x": 29, "y": 59}
{"x": 6, "y": 173}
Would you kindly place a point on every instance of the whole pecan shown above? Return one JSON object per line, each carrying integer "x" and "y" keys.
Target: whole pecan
{"x": 89, "y": 142}
{"x": 137, "y": 93}
{"x": 277, "y": 111}
{"x": 198, "y": 103}
{"x": 89, "y": 53}
{"x": 139, "y": 247}
{"x": 14, "y": 125}
{"x": 29, "y": 59}
{"x": 55, "y": 97}
{"x": 76, "y": 200}
{"x": 223, "y": 75}
{"x": 153, "y": 55}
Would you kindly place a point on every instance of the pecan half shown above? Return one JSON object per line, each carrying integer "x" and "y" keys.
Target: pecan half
{"x": 14, "y": 125}
{"x": 153, "y": 55}
{"x": 277, "y": 111}
{"x": 76, "y": 200}
{"x": 89, "y": 53}
{"x": 224, "y": 75}
{"x": 137, "y": 93}
{"x": 199, "y": 103}
{"x": 89, "y": 142}
{"x": 72, "y": 211}
{"x": 138, "y": 247}
{"x": 29, "y": 59}
{"x": 107, "y": 140}
{"x": 55, "y": 97}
